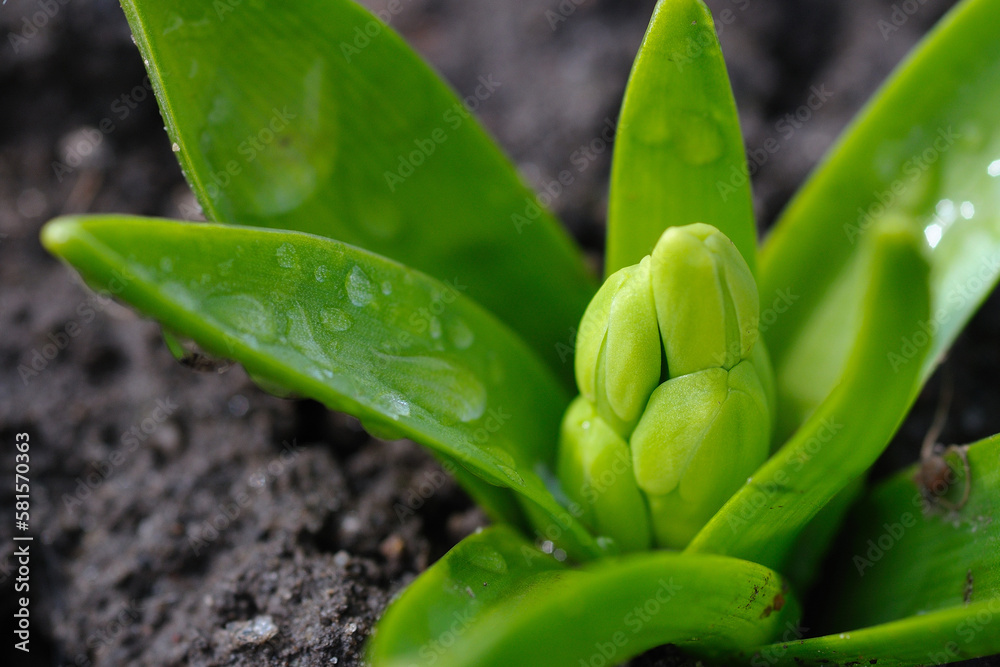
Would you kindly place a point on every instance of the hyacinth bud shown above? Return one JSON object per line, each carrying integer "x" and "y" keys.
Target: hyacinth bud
{"x": 670, "y": 368}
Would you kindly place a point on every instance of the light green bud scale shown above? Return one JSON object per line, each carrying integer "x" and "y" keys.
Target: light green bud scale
{"x": 676, "y": 393}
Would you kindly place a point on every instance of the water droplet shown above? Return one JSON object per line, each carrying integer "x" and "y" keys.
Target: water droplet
{"x": 360, "y": 290}
{"x": 445, "y": 388}
{"x": 321, "y": 273}
{"x": 698, "y": 138}
{"x": 994, "y": 168}
{"x": 434, "y": 328}
{"x": 174, "y": 147}
{"x": 460, "y": 334}
{"x": 394, "y": 405}
{"x": 933, "y": 234}
{"x": 485, "y": 557}
{"x": 335, "y": 319}
{"x": 967, "y": 210}
{"x": 386, "y": 288}
{"x": 512, "y": 475}
{"x": 383, "y": 429}
{"x": 287, "y": 258}
{"x": 245, "y": 314}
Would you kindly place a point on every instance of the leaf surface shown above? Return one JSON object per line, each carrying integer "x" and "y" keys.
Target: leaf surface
{"x": 315, "y": 116}
{"x": 925, "y": 152}
{"x": 409, "y": 355}
{"x": 846, "y": 434}
{"x": 678, "y": 155}
{"x": 495, "y": 600}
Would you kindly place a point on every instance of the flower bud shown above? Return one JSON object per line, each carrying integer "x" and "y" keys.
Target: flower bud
{"x": 670, "y": 369}
{"x": 595, "y": 468}
{"x": 618, "y": 348}
{"x": 706, "y": 300}
{"x": 701, "y": 436}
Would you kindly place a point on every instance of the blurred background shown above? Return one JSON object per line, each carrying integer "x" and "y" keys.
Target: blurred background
{"x": 245, "y": 529}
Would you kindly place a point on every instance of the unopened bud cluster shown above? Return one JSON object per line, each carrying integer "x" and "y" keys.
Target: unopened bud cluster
{"x": 676, "y": 393}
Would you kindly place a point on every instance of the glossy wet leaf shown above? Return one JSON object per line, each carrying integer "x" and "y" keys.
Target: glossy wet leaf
{"x": 315, "y": 116}
{"x": 936, "y": 638}
{"x": 846, "y": 434}
{"x": 925, "y": 153}
{"x": 678, "y": 155}
{"x": 900, "y": 556}
{"x": 495, "y": 600}
{"x": 407, "y": 354}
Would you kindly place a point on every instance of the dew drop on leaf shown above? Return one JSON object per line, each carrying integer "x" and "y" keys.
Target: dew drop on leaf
{"x": 442, "y": 387}
{"x": 387, "y": 288}
{"x": 287, "y": 258}
{"x": 321, "y": 273}
{"x": 335, "y": 319}
{"x": 485, "y": 557}
{"x": 394, "y": 405}
{"x": 460, "y": 334}
{"x": 245, "y": 314}
{"x": 360, "y": 290}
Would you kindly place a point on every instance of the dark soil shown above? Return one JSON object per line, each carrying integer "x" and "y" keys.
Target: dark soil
{"x": 249, "y": 530}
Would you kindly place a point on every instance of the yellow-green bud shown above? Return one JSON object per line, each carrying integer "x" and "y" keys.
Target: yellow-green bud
{"x": 595, "y": 468}
{"x": 701, "y": 436}
{"x": 618, "y": 348}
{"x": 706, "y": 300}
{"x": 669, "y": 362}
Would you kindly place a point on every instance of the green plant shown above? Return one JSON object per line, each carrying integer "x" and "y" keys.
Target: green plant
{"x": 271, "y": 111}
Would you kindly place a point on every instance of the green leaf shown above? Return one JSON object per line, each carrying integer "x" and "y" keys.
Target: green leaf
{"x": 410, "y": 356}
{"x": 938, "y": 638}
{"x": 845, "y": 435}
{"x": 924, "y": 152}
{"x": 315, "y": 116}
{"x": 496, "y": 600}
{"x": 900, "y": 555}
{"x": 678, "y": 153}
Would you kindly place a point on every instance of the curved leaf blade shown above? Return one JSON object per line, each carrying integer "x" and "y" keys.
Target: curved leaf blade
{"x": 938, "y": 172}
{"x": 845, "y": 435}
{"x": 937, "y": 638}
{"x": 495, "y": 600}
{"x": 901, "y": 556}
{"x": 678, "y": 154}
{"x": 315, "y": 116}
{"x": 407, "y": 354}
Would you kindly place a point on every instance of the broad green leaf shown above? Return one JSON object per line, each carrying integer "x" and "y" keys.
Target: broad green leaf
{"x": 924, "y": 152}
{"x": 315, "y": 116}
{"x": 936, "y": 638}
{"x": 845, "y": 435}
{"x": 496, "y": 600}
{"x": 409, "y": 355}
{"x": 900, "y": 555}
{"x": 678, "y": 155}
